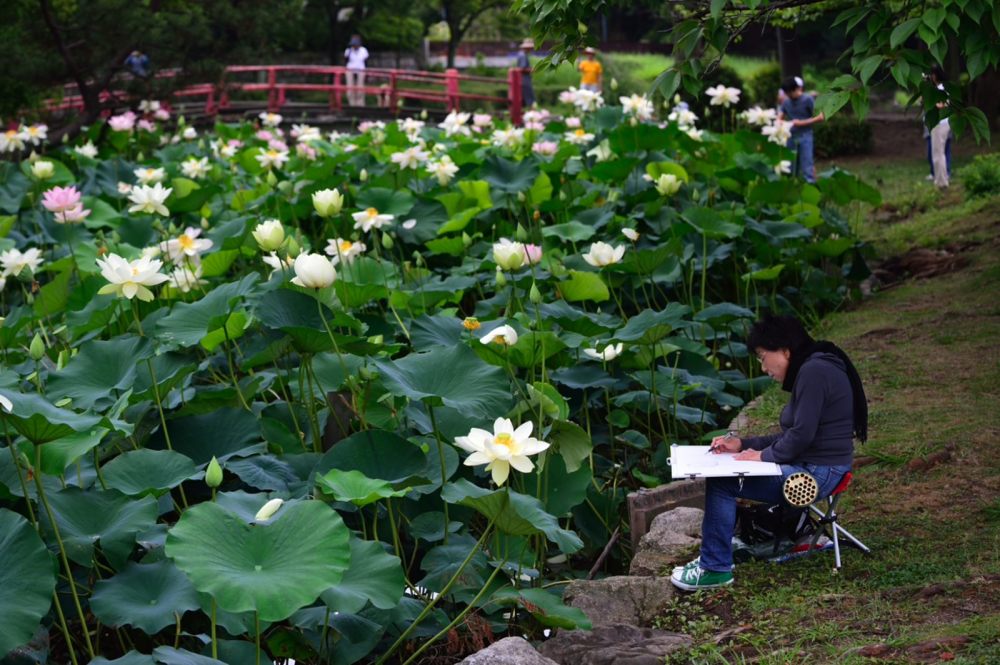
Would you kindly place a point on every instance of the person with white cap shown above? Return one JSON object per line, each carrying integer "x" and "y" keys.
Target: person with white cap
{"x": 591, "y": 71}
{"x": 356, "y": 55}
{"x": 799, "y": 108}
{"x": 524, "y": 64}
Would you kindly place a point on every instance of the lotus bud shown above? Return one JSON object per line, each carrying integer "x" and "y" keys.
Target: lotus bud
{"x": 271, "y": 179}
{"x": 37, "y": 348}
{"x": 423, "y": 114}
{"x": 501, "y": 280}
{"x": 387, "y": 242}
{"x": 268, "y": 510}
{"x": 204, "y": 224}
{"x": 363, "y": 176}
{"x": 292, "y": 246}
{"x": 365, "y": 373}
{"x": 140, "y": 157}
{"x": 42, "y": 169}
{"x": 534, "y": 295}
{"x": 614, "y": 83}
{"x": 582, "y": 27}
{"x": 466, "y": 239}
{"x": 284, "y": 186}
{"x": 614, "y": 195}
{"x": 62, "y": 359}
{"x": 213, "y": 474}
{"x": 521, "y": 233}
{"x": 521, "y": 197}
{"x": 313, "y": 271}
{"x": 537, "y": 215}
{"x": 269, "y": 235}
{"x": 327, "y": 202}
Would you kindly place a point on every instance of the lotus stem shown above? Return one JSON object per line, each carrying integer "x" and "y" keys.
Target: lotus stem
{"x": 440, "y": 447}
{"x": 62, "y": 550}
{"x": 215, "y": 641}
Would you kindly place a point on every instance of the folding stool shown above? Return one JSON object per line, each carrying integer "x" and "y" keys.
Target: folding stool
{"x": 823, "y": 516}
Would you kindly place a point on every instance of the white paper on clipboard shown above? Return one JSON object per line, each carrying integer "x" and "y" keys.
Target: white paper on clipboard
{"x": 697, "y": 462}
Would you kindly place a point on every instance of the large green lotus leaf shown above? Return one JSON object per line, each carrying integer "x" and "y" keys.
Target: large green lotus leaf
{"x": 140, "y": 472}
{"x": 40, "y": 421}
{"x": 222, "y": 434}
{"x": 376, "y": 454}
{"x": 546, "y": 607}
{"x": 532, "y": 347}
{"x": 98, "y": 370}
{"x": 188, "y": 323}
{"x": 785, "y": 190}
{"x": 571, "y": 442}
{"x": 843, "y": 187}
{"x": 562, "y": 490}
{"x": 172, "y": 656}
{"x": 149, "y": 597}
{"x": 131, "y": 658}
{"x": 427, "y": 332}
{"x": 388, "y": 201}
{"x": 723, "y": 312}
{"x": 627, "y": 138}
{"x": 455, "y": 377}
{"x": 356, "y": 487}
{"x": 108, "y": 517}
{"x": 26, "y": 580}
{"x": 273, "y": 568}
{"x": 572, "y": 231}
{"x": 374, "y": 576}
{"x": 264, "y": 472}
{"x": 514, "y": 514}
{"x": 60, "y": 453}
{"x": 650, "y": 326}
{"x": 711, "y": 223}
{"x": 508, "y": 176}
{"x": 584, "y": 286}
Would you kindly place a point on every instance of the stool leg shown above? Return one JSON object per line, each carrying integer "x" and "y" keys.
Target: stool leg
{"x": 857, "y": 543}
{"x": 836, "y": 547}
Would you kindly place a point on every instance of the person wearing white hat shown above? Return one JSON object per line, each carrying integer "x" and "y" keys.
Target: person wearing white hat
{"x": 799, "y": 109}
{"x": 356, "y": 55}
{"x": 524, "y": 64}
{"x": 591, "y": 71}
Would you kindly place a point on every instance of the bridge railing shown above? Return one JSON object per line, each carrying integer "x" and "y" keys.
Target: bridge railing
{"x": 278, "y": 85}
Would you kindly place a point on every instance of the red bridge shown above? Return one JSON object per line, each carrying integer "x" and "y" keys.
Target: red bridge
{"x": 274, "y": 86}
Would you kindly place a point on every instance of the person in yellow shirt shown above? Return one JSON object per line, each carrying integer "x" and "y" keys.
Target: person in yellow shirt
{"x": 591, "y": 71}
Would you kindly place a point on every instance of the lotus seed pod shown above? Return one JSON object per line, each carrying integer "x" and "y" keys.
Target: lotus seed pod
{"x": 213, "y": 474}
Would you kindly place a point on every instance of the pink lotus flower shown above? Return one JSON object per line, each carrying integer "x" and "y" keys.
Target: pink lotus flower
{"x": 532, "y": 254}
{"x": 277, "y": 144}
{"x": 162, "y": 114}
{"x": 71, "y": 216}
{"x": 61, "y": 199}
{"x": 546, "y": 148}
{"x": 264, "y": 135}
{"x": 122, "y": 123}
{"x": 572, "y": 122}
{"x": 146, "y": 125}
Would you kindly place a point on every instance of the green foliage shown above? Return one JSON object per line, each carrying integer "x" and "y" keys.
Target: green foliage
{"x": 982, "y": 176}
{"x": 842, "y": 135}
{"x": 762, "y": 88}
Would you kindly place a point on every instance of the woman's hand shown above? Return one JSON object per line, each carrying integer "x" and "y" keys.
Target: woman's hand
{"x": 726, "y": 444}
{"x": 748, "y": 456}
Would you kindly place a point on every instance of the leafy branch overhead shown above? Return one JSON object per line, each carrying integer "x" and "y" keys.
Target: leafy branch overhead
{"x": 886, "y": 41}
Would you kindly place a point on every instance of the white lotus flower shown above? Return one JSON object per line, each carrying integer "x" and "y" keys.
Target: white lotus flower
{"x": 370, "y": 218}
{"x": 601, "y": 152}
{"x": 195, "y": 168}
{"x": 668, "y": 184}
{"x": 721, "y": 95}
{"x": 148, "y": 176}
{"x": 268, "y": 510}
{"x": 306, "y": 133}
{"x": 778, "y": 132}
{"x": 501, "y": 449}
{"x": 456, "y": 123}
{"x": 411, "y": 158}
{"x": 637, "y": 106}
{"x": 631, "y": 234}
{"x": 269, "y": 235}
{"x": 278, "y": 264}
{"x": 507, "y": 138}
{"x": 186, "y": 246}
{"x": 610, "y": 352}
{"x": 189, "y": 134}
{"x": 88, "y": 149}
{"x": 508, "y": 255}
{"x": 270, "y": 119}
{"x": 14, "y": 261}
{"x": 683, "y": 117}
{"x": 11, "y": 141}
{"x": 695, "y": 134}
{"x": 602, "y": 254}
{"x": 504, "y": 335}
{"x": 344, "y": 251}
{"x": 7, "y": 405}
{"x": 149, "y": 106}
{"x": 579, "y": 136}
{"x": 328, "y": 202}
{"x": 184, "y": 278}
{"x": 759, "y": 116}
{"x": 271, "y": 158}
{"x": 409, "y": 224}
{"x": 42, "y": 169}
{"x": 444, "y": 170}
{"x": 313, "y": 271}
{"x": 411, "y": 126}
{"x": 783, "y": 167}
{"x": 149, "y": 199}
{"x": 131, "y": 278}
{"x": 35, "y": 134}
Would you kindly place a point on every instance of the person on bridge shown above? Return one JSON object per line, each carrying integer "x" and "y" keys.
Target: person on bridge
{"x": 524, "y": 64}
{"x": 356, "y": 55}
{"x": 591, "y": 71}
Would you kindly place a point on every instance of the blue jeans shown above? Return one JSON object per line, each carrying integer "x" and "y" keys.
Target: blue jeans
{"x": 802, "y": 144}
{"x": 719, "y": 522}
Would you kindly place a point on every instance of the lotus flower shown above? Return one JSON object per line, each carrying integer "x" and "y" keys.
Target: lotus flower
{"x": 602, "y": 254}
{"x": 637, "y": 106}
{"x": 631, "y": 234}
{"x": 503, "y": 335}
{"x": 668, "y": 184}
{"x": 14, "y": 261}
{"x": 187, "y": 245}
{"x": 411, "y": 158}
{"x": 313, "y": 271}
{"x": 545, "y": 148}
{"x": 6, "y": 404}
{"x": 184, "y": 278}
{"x": 721, "y": 95}
{"x": 456, "y": 123}
{"x": 508, "y": 255}
{"x": 270, "y": 119}
{"x": 269, "y": 235}
{"x": 344, "y": 251}
{"x": 778, "y": 132}
{"x": 149, "y": 176}
{"x": 579, "y": 136}
{"x": 268, "y": 510}
{"x": 131, "y": 278}
{"x": 501, "y": 449}
{"x": 278, "y": 264}
{"x": 759, "y": 116}
{"x": 532, "y": 254}
{"x": 371, "y": 218}
{"x": 444, "y": 169}
{"x": 783, "y": 167}
{"x": 36, "y": 134}
{"x": 272, "y": 158}
{"x": 122, "y": 123}
{"x": 610, "y": 352}
{"x": 43, "y": 169}
{"x": 150, "y": 199}
{"x": 195, "y": 168}
{"x": 88, "y": 150}
{"x": 61, "y": 199}
{"x": 328, "y": 202}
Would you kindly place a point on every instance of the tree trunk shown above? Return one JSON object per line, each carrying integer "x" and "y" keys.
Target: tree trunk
{"x": 789, "y": 53}
{"x": 453, "y": 40}
{"x": 335, "y": 49}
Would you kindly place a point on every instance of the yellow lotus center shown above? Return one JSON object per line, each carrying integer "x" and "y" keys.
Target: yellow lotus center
{"x": 11, "y": 133}
{"x": 345, "y": 245}
{"x": 372, "y": 212}
{"x": 135, "y": 272}
{"x": 185, "y": 241}
{"x": 504, "y": 439}
{"x": 499, "y": 339}
{"x": 579, "y": 132}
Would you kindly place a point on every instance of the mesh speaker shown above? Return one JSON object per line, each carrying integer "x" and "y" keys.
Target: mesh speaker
{"x": 800, "y": 489}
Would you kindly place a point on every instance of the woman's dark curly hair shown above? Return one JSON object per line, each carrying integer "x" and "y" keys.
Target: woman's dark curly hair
{"x": 778, "y": 332}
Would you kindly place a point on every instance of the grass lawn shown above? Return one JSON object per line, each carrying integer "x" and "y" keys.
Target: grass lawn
{"x": 926, "y": 498}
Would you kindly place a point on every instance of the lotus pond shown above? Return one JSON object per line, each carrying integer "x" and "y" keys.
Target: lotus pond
{"x": 271, "y": 393}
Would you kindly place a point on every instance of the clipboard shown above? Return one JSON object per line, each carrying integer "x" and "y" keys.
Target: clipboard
{"x": 696, "y": 462}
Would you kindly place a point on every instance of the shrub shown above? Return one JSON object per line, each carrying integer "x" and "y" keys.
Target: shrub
{"x": 842, "y": 135}
{"x": 982, "y": 176}
{"x": 762, "y": 87}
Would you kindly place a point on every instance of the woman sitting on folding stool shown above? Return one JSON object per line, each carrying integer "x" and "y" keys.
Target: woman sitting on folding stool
{"x": 826, "y": 410}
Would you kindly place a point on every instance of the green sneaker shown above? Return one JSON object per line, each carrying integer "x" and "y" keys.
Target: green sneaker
{"x": 693, "y": 564}
{"x": 693, "y": 578}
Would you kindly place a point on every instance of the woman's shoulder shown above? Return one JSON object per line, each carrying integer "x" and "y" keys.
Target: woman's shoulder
{"x": 822, "y": 364}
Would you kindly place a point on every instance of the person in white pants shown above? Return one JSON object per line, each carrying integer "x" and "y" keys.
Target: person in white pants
{"x": 356, "y": 55}
{"x": 939, "y": 135}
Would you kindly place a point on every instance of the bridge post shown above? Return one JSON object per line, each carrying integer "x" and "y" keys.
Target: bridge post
{"x": 451, "y": 88}
{"x": 337, "y": 95}
{"x": 272, "y": 93}
{"x": 514, "y": 94}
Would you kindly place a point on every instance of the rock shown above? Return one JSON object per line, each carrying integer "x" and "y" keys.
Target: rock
{"x": 916, "y": 465}
{"x": 645, "y": 504}
{"x": 617, "y": 644}
{"x": 875, "y": 651}
{"x": 508, "y": 651}
{"x": 672, "y": 538}
{"x": 622, "y": 599}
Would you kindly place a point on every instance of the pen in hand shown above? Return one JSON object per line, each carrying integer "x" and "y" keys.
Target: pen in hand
{"x": 729, "y": 435}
